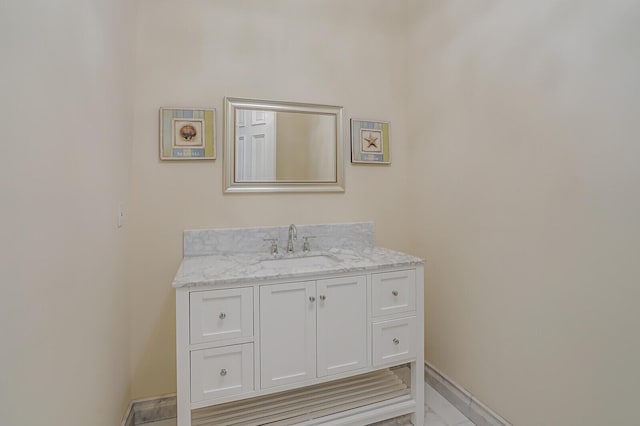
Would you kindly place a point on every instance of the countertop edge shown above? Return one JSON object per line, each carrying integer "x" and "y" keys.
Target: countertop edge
{"x": 237, "y": 268}
{"x": 253, "y": 280}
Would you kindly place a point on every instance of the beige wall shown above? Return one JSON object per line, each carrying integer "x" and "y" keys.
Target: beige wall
{"x": 514, "y": 135}
{"x": 292, "y": 161}
{"x": 192, "y": 54}
{"x": 525, "y": 131}
{"x": 306, "y": 148}
{"x": 65, "y": 165}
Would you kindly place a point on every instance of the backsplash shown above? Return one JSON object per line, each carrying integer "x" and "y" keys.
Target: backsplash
{"x": 354, "y": 236}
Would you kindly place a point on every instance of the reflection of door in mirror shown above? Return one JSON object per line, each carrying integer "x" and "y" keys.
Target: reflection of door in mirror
{"x": 255, "y": 146}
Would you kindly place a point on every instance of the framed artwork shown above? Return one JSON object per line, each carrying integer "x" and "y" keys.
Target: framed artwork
{"x": 187, "y": 134}
{"x": 370, "y": 142}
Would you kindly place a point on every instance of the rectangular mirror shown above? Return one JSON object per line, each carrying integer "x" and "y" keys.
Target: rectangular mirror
{"x": 274, "y": 146}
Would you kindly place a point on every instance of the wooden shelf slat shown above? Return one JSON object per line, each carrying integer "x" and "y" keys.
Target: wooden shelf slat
{"x": 296, "y": 406}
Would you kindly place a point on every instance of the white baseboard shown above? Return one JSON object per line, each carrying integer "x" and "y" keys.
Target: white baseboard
{"x": 467, "y": 404}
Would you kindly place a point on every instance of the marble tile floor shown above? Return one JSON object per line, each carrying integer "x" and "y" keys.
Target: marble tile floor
{"x": 438, "y": 412}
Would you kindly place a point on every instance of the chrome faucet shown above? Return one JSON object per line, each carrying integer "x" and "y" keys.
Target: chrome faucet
{"x": 274, "y": 245}
{"x": 293, "y": 235}
{"x": 305, "y": 245}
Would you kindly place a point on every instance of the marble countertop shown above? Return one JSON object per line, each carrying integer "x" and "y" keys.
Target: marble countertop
{"x": 233, "y": 267}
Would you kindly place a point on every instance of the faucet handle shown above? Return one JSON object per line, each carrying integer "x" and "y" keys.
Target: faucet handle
{"x": 274, "y": 245}
{"x": 305, "y": 244}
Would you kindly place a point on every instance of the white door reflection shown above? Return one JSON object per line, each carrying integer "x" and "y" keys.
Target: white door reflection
{"x": 255, "y": 146}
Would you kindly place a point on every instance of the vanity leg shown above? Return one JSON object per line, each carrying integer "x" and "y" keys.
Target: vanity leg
{"x": 417, "y": 367}
{"x": 184, "y": 414}
{"x": 182, "y": 359}
{"x": 417, "y": 392}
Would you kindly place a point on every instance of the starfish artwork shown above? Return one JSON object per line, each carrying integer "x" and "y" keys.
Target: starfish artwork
{"x": 371, "y": 141}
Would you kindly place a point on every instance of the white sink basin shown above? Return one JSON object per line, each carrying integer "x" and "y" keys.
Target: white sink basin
{"x": 302, "y": 261}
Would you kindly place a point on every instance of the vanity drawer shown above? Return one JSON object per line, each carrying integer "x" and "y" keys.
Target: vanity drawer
{"x": 221, "y": 314}
{"x": 221, "y": 372}
{"x": 393, "y": 292}
{"x": 394, "y": 340}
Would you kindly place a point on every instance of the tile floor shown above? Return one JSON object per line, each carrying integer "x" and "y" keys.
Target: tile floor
{"x": 438, "y": 412}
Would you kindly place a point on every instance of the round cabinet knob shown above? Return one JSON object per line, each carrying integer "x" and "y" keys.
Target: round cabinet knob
{"x": 396, "y": 341}
{"x": 312, "y": 299}
{"x": 223, "y": 372}
{"x": 323, "y": 297}
{"x": 222, "y": 315}
{"x": 394, "y": 292}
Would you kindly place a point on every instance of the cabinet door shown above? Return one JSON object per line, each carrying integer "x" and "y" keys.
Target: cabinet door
{"x": 342, "y": 325}
{"x": 287, "y": 333}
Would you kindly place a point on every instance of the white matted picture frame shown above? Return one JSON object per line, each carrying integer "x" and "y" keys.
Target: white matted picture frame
{"x": 187, "y": 134}
{"x": 370, "y": 141}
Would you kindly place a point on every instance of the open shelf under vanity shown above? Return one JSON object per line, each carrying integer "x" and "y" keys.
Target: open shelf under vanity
{"x": 329, "y": 403}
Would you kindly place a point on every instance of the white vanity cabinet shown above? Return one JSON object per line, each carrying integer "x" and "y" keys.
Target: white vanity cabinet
{"x": 312, "y": 329}
{"x": 272, "y": 337}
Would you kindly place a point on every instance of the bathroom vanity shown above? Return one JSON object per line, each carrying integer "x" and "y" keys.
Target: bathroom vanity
{"x": 272, "y": 329}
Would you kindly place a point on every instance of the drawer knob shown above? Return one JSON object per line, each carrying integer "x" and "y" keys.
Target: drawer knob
{"x": 312, "y": 299}
{"x": 396, "y": 341}
{"x": 394, "y": 292}
{"x": 223, "y": 372}
{"x": 222, "y": 315}
{"x": 323, "y": 297}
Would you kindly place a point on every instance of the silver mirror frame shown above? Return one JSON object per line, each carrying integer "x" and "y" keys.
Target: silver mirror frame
{"x": 230, "y": 184}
